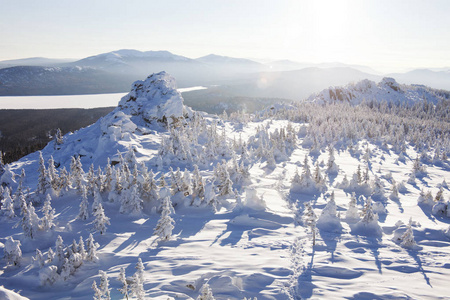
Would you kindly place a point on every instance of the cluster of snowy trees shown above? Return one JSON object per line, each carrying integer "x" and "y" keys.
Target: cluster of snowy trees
{"x": 63, "y": 261}
{"x": 130, "y": 287}
{"x": 423, "y": 125}
{"x": 362, "y": 221}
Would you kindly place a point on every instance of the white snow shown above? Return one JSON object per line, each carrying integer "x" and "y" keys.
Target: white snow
{"x": 252, "y": 243}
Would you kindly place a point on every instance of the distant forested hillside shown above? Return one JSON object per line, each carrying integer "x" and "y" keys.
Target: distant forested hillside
{"x": 23, "y": 131}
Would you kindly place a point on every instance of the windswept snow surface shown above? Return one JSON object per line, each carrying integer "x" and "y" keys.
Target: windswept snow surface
{"x": 254, "y": 244}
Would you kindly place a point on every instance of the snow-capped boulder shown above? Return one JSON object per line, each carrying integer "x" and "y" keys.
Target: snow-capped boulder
{"x": 154, "y": 99}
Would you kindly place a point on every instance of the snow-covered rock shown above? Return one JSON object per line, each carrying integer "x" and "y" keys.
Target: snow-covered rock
{"x": 386, "y": 90}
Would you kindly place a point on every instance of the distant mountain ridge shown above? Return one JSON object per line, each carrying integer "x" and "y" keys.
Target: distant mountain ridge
{"x": 115, "y": 71}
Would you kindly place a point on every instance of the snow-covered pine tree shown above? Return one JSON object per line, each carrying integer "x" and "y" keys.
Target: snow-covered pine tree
{"x": 408, "y": 237}
{"x": 210, "y": 195}
{"x": 206, "y": 293}
{"x": 332, "y": 168}
{"x": 104, "y": 285}
{"x": 97, "y": 200}
{"x": 67, "y": 269}
{"x": 100, "y": 220}
{"x": 165, "y": 224}
{"x": 49, "y": 215}
{"x": 186, "y": 183}
{"x": 137, "y": 287}
{"x": 394, "y": 191}
{"x": 12, "y": 251}
{"x": 352, "y": 211}
{"x": 91, "y": 248}
{"x": 97, "y": 292}
{"x": 131, "y": 202}
{"x": 328, "y": 219}
{"x": 19, "y": 191}
{"x": 107, "y": 178}
{"x": 39, "y": 260}
{"x": 58, "y": 138}
{"x": 84, "y": 210}
{"x": 7, "y": 207}
{"x": 309, "y": 219}
{"x": 43, "y": 181}
{"x": 59, "y": 252}
{"x": 91, "y": 180}
{"x": 80, "y": 248}
{"x": 52, "y": 174}
{"x": 30, "y": 221}
{"x": 150, "y": 188}
{"x": 64, "y": 181}
{"x": 140, "y": 269}
{"x": 76, "y": 173}
{"x": 124, "y": 284}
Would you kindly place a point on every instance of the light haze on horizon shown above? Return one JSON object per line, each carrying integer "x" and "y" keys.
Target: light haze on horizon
{"x": 388, "y": 36}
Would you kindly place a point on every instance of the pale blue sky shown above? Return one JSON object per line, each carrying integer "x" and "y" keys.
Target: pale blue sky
{"x": 389, "y": 35}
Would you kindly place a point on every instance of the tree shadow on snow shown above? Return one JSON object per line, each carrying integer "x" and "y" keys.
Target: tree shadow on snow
{"x": 414, "y": 254}
{"x": 374, "y": 246}
{"x": 305, "y": 286}
{"x": 331, "y": 240}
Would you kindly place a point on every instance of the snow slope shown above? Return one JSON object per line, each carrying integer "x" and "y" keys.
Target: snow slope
{"x": 252, "y": 241}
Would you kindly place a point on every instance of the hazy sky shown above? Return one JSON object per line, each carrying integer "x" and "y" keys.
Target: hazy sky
{"x": 388, "y": 35}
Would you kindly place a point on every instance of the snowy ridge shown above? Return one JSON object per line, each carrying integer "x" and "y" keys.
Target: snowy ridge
{"x": 386, "y": 90}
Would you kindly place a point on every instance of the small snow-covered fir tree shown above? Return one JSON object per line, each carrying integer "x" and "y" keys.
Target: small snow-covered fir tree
{"x": 122, "y": 278}
{"x": 332, "y": 168}
{"x": 12, "y": 251}
{"x": 408, "y": 237}
{"x": 131, "y": 202}
{"x": 310, "y": 219}
{"x": 165, "y": 224}
{"x": 58, "y": 138}
{"x": 84, "y": 210}
{"x": 97, "y": 292}
{"x": 97, "y": 200}
{"x": 140, "y": 269}
{"x": 352, "y": 213}
{"x": 210, "y": 195}
{"x": 39, "y": 260}
{"x": 59, "y": 252}
{"x": 43, "y": 180}
{"x": 30, "y": 221}
{"x": 67, "y": 269}
{"x": 137, "y": 287}
{"x": 7, "y": 207}
{"x": 205, "y": 293}
{"x": 91, "y": 248}
{"x": 80, "y": 248}
{"x": 104, "y": 285}
{"x": 394, "y": 191}
{"x": 328, "y": 219}
{"x": 49, "y": 215}
{"x": 101, "y": 220}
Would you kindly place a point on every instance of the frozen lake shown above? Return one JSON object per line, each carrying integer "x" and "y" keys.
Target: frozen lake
{"x": 69, "y": 101}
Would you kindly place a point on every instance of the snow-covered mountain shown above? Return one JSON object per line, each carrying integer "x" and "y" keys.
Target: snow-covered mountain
{"x": 217, "y": 59}
{"x": 301, "y": 201}
{"x": 386, "y": 90}
{"x": 129, "y": 57}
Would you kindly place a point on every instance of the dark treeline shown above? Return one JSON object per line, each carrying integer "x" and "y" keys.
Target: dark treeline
{"x": 23, "y": 131}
